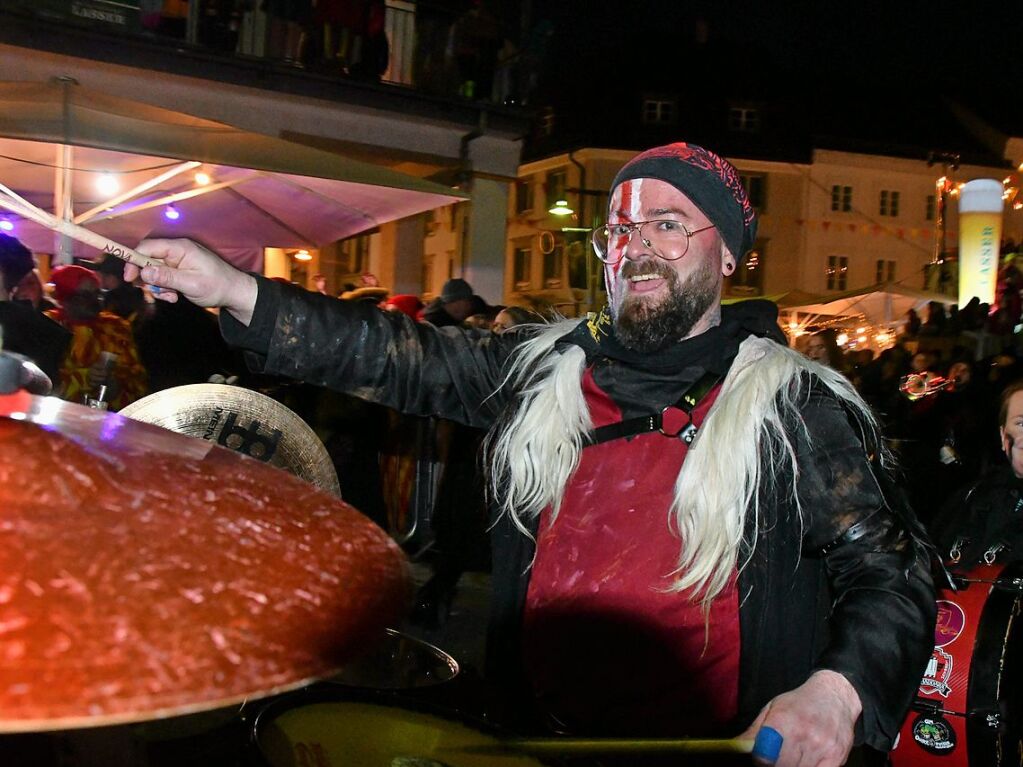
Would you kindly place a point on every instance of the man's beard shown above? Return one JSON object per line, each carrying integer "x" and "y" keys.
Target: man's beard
{"x": 649, "y": 328}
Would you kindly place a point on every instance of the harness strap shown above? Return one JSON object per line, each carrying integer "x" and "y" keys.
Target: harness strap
{"x": 690, "y": 399}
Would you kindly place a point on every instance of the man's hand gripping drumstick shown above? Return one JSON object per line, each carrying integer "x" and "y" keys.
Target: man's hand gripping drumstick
{"x": 199, "y": 274}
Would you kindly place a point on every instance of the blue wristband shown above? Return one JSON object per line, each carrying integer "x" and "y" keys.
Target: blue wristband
{"x": 767, "y": 745}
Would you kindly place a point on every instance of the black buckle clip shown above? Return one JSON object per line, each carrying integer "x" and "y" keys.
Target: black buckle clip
{"x": 687, "y": 433}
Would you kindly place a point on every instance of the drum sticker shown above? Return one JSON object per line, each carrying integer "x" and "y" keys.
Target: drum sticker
{"x": 950, "y": 624}
{"x": 933, "y": 734}
{"x": 937, "y": 675}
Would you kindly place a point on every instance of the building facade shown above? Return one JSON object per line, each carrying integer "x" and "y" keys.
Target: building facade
{"x": 840, "y": 222}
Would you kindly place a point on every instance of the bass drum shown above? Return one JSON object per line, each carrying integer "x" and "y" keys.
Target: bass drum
{"x": 969, "y": 709}
{"x": 342, "y": 727}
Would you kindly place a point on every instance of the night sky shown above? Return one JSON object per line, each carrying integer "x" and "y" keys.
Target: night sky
{"x": 777, "y": 47}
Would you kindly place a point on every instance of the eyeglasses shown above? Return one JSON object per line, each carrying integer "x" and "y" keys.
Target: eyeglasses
{"x": 661, "y": 236}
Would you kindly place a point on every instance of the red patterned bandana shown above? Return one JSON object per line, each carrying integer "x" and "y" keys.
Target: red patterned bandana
{"x": 709, "y": 181}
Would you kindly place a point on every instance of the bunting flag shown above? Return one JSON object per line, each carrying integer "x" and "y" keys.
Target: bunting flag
{"x": 901, "y": 232}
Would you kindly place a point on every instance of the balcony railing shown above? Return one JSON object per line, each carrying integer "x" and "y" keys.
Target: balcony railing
{"x": 400, "y": 42}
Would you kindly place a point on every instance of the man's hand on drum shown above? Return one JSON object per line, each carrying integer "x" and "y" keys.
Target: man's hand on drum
{"x": 816, "y": 721}
{"x": 200, "y": 275}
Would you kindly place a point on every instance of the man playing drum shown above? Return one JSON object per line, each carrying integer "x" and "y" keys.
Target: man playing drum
{"x": 692, "y": 538}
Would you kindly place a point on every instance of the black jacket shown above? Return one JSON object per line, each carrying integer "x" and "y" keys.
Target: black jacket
{"x": 866, "y": 609}
{"x": 984, "y": 516}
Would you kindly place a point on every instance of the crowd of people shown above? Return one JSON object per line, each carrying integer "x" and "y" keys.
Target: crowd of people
{"x": 937, "y": 392}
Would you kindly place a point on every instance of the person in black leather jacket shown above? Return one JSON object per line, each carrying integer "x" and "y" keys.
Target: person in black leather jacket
{"x": 983, "y": 522}
{"x": 759, "y": 576}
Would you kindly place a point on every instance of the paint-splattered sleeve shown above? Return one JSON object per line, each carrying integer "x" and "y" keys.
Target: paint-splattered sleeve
{"x": 880, "y": 630}
{"x": 378, "y": 356}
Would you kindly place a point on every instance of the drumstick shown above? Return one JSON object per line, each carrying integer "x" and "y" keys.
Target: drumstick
{"x": 765, "y": 749}
{"x": 16, "y": 204}
{"x": 580, "y": 746}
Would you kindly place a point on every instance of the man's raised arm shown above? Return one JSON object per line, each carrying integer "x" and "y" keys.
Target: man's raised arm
{"x": 198, "y": 274}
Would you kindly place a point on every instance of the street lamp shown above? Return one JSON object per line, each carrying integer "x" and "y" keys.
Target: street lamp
{"x": 560, "y": 208}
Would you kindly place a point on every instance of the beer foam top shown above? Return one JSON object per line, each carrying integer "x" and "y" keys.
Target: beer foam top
{"x": 982, "y": 195}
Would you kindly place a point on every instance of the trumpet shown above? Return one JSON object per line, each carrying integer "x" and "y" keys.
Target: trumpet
{"x": 919, "y": 385}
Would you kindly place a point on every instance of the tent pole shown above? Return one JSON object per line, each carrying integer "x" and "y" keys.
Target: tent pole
{"x": 62, "y": 204}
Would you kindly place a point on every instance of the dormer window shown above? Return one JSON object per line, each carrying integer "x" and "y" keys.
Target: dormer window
{"x": 660, "y": 111}
{"x": 744, "y": 119}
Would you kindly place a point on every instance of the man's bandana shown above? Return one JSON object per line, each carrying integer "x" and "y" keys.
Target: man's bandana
{"x": 709, "y": 181}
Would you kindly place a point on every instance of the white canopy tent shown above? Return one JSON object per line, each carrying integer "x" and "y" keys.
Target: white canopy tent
{"x": 57, "y": 138}
{"x": 884, "y": 304}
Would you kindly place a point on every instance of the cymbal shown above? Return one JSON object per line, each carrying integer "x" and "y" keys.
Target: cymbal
{"x": 242, "y": 420}
{"x": 146, "y": 574}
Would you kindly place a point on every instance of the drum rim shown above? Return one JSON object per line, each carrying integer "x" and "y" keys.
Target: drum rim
{"x": 448, "y": 660}
{"x": 997, "y": 619}
{"x": 337, "y": 693}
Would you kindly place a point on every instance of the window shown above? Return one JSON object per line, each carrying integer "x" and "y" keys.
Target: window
{"x": 523, "y": 195}
{"x": 659, "y": 111}
{"x": 744, "y": 119}
{"x": 929, "y": 208}
{"x": 838, "y": 268}
{"x": 748, "y": 279}
{"x": 556, "y": 183}
{"x": 885, "y": 271}
{"x": 841, "y": 198}
{"x": 889, "y": 204}
{"x": 400, "y": 28}
{"x": 427, "y": 275}
{"x": 463, "y": 237}
{"x": 755, "y": 185}
{"x": 552, "y": 266}
{"x": 353, "y": 255}
{"x": 522, "y": 259}
{"x": 546, "y": 127}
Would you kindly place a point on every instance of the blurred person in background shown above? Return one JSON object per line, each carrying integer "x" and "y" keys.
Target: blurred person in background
{"x": 406, "y": 303}
{"x": 823, "y": 347}
{"x": 103, "y": 350}
{"x": 460, "y": 520}
{"x": 23, "y": 328}
{"x": 455, "y": 304}
{"x": 511, "y": 316}
{"x": 119, "y": 297}
{"x": 983, "y": 521}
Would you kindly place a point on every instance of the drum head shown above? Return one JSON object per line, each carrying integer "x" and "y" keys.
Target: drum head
{"x": 366, "y": 730}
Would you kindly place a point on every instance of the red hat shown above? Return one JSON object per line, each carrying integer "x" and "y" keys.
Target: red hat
{"x": 68, "y": 279}
{"x": 404, "y": 303}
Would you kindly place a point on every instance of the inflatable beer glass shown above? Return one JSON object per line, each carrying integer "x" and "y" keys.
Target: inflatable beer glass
{"x": 980, "y": 233}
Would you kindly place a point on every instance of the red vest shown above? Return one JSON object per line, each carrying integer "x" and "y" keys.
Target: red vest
{"x": 610, "y": 650}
